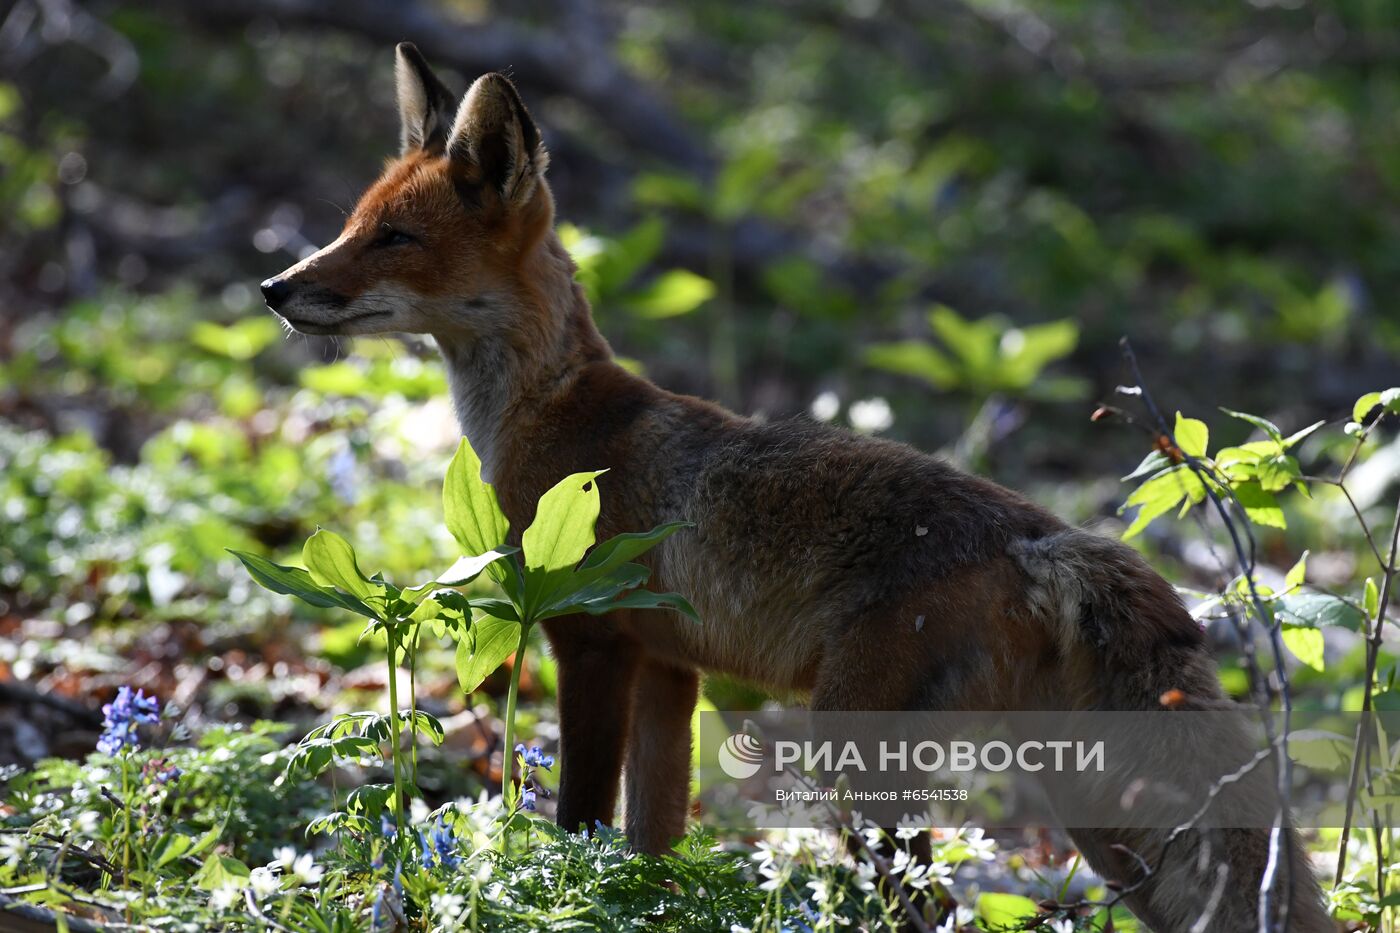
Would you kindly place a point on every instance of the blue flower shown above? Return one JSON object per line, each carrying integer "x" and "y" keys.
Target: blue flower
{"x": 527, "y": 801}
{"x": 535, "y": 757}
{"x": 439, "y": 846}
{"x": 121, "y": 718}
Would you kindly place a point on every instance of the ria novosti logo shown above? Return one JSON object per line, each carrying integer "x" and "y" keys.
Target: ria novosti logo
{"x": 741, "y": 756}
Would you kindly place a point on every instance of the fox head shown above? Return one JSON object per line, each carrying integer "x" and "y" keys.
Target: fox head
{"x": 442, "y": 243}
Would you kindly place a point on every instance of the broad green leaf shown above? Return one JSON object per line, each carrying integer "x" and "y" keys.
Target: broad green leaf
{"x": 484, "y": 649}
{"x": 331, "y": 560}
{"x": 1319, "y": 609}
{"x": 1363, "y": 406}
{"x": 914, "y": 358}
{"x": 1371, "y": 598}
{"x": 577, "y": 588}
{"x": 1296, "y": 574}
{"x": 620, "y": 549}
{"x": 642, "y": 599}
{"x": 1268, "y": 427}
{"x": 293, "y": 581}
{"x": 1005, "y": 911}
{"x": 221, "y": 871}
{"x": 1192, "y": 436}
{"x": 464, "y": 571}
{"x": 470, "y": 509}
{"x": 1261, "y": 506}
{"x": 563, "y": 527}
{"x": 173, "y": 846}
{"x": 1305, "y": 643}
{"x": 502, "y": 609}
{"x": 1320, "y": 750}
{"x": 674, "y": 293}
{"x": 1161, "y": 494}
{"x": 1277, "y": 473}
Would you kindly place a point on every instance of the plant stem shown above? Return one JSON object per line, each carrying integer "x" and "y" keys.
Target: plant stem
{"x": 508, "y": 758}
{"x": 399, "y": 828}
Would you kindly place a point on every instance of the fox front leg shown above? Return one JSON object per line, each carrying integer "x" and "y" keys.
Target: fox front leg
{"x": 597, "y": 670}
{"x": 658, "y": 756}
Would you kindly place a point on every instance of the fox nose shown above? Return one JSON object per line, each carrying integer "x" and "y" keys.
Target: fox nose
{"x": 275, "y": 292}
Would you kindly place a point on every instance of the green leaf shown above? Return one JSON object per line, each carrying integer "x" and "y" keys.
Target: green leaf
{"x": 471, "y": 511}
{"x": 998, "y": 911}
{"x": 1298, "y": 436}
{"x": 424, "y": 723}
{"x": 171, "y": 847}
{"x": 563, "y": 527}
{"x": 1305, "y": 643}
{"x": 1319, "y": 609}
{"x": 1363, "y": 406}
{"x": 642, "y": 599}
{"x": 1154, "y": 461}
{"x": 1261, "y": 506}
{"x": 621, "y": 549}
{"x": 331, "y": 560}
{"x": 484, "y": 649}
{"x": 674, "y": 293}
{"x": 914, "y": 358}
{"x": 1296, "y": 574}
{"x": 1192, "y": 436}
{"x": 1268, "y": 427}
{"x": 1277, "y": 473}
{"x": 1371, "y": 599}
{"x": 1161, "y": 494}
{"x": 293, "y": 581}
{"x": 464, "y": 571}
{"x": 221, "y": 871}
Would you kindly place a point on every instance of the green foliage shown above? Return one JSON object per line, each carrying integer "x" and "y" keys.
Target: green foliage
{"x": 984, "y": 357}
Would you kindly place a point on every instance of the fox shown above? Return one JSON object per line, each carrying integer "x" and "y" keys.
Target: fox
{"x": 810, "y": 549}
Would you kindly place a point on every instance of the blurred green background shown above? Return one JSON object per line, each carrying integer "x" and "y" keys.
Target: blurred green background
{"x": 933, "y": 220}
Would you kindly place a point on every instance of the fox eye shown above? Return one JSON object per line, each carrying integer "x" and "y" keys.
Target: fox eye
{"x": 388, "y": 236}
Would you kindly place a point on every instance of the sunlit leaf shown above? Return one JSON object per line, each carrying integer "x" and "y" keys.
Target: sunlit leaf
{"x": 1192, "y": 436}
{"x": 490, "y": 642}
{"x": 331, "y": 560}
{"x": 470, "y": 509}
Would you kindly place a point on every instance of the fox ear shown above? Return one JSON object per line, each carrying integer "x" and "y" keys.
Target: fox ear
{"x": 495, "y": 138}
{"x": 425, "y": 104}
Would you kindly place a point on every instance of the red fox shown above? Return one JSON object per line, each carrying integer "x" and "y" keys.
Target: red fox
{"x": 811, "y": 548}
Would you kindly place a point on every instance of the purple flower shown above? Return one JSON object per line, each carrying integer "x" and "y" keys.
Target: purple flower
{"x": 527, "y": 800}
{"x": 121, "y": 718}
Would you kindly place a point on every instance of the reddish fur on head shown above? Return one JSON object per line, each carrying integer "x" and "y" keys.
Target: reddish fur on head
{"x": 445, "y": 240}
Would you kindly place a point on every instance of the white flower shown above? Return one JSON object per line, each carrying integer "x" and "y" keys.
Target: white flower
{"x": 978, "y": 844}
{"x": 264, "y": 883}
{"x": 825, "y": 406}
{"x": 1063, "y": 925}
{"x": 13, "y": 849}
{"x": 820, "y": 894}
{"x": 871, "y": 415}
{"x": 285, "y": 856}
{"x": 225, "y": 897}
{"x": 448, "y": 909}
{"x": 306, "y": 870}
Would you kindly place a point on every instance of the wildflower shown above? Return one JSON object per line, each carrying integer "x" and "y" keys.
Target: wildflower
{"x": 439, "y": 847}
{"x": 535, "y": 757}
{"x": 121, "y": 718}
{"x": 527, "y": 800}
{"x": 160, "y": 772}
{"x": 225, "y": 897}
{"x": 448, "y": 907}
{"x": 306, "y": 871}
{"x": 264, "y": 883}
{"x": 13, "y": 849}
